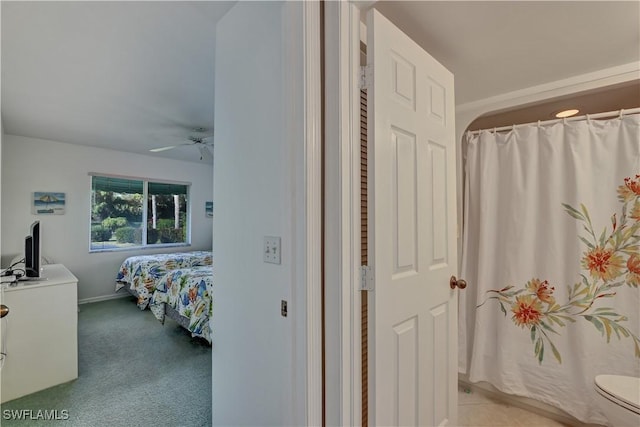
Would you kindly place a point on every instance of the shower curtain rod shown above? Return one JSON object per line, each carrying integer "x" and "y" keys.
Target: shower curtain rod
{"x": 619, "y": 113}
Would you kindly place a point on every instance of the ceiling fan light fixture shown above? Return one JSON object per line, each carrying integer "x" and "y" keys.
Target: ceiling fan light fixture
{"x": 567, "y": 113}
{"x": 205, "y": 153}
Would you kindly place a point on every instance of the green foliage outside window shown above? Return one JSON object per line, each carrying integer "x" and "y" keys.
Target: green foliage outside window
{"x": 126, "y": 235}
{"x": 99, "y": 233}
{"x": 118, "y": 206}
{"x": 114, "y": 223}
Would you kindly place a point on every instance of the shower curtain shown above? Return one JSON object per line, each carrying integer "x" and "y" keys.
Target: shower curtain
{"x": 551, "y": 252}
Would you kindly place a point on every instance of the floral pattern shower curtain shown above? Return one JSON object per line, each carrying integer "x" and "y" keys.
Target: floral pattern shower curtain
{"x": 551, "y": 250}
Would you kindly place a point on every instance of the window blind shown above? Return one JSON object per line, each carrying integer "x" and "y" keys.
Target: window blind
{"x": 165, "y": 188}
{"x": 116, "y": 185}
{"x": 131, "y": 186}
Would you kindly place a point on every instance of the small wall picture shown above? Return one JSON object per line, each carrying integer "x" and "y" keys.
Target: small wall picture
{"x": 48, "y": 203}
{"x": 208, "y": 208}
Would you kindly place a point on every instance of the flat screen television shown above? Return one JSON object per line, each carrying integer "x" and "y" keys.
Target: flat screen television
{"x": 32, "y": 251}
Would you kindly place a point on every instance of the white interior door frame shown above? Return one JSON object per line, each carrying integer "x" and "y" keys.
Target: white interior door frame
{"x": 307, "y": 342}
{"x": 343, "y": 367}
{"x": 301, "y": 34}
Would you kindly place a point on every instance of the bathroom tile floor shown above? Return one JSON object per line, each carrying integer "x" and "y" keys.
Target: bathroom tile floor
{"x": 477, "y": 409}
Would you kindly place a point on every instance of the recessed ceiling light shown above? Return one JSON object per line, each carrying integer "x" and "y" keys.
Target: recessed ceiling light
{"x": 566, "y": 113}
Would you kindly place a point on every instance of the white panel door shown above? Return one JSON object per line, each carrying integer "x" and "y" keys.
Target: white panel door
{"x": 413, "y": 360}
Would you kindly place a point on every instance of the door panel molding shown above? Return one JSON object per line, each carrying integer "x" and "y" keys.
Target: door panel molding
{"x": 411, "y": 239}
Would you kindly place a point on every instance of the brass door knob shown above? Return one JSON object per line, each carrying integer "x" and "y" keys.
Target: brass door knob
{"x": 457, "y": 283}
{"x": 4, "y": 310}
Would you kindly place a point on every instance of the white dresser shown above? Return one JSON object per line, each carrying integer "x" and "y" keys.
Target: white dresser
{"x": 41, "y": 330}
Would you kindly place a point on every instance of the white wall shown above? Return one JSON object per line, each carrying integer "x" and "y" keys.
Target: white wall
{"x": 30, "y": 165}
{"x": 260, "y": 152}
{"x": 1, "y": 138}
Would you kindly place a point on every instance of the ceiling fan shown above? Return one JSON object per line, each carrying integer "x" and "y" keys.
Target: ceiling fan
{"x": 205, "y": 147}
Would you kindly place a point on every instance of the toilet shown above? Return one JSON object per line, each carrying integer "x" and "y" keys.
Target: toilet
{"x": 619, "y": 399}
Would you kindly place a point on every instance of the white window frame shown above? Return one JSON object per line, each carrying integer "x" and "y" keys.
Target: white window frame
{"x": 145, "y": 203}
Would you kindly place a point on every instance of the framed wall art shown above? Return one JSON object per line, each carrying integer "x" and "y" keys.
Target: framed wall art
{"x": 48, "y": 203}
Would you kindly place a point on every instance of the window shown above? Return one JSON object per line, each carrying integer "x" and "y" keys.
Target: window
{"x": 131, "y": 213}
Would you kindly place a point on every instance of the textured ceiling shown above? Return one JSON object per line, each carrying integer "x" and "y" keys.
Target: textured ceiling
{"x": 129, "y": 76}
{"x": 137, "y": 75}
{"x": 502, "y": 46}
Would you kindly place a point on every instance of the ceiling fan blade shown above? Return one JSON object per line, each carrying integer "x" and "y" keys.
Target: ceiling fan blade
{"x": 157, "y": 150}
{"x": 169, "y": 147}
{"x": 205, "y": 154}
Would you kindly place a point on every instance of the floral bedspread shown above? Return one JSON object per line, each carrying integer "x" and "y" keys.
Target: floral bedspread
{"x": 144, "y": 271}
{"x": 189, "y": 291}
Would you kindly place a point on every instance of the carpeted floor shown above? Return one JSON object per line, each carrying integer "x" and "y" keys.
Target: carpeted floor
{"x": 133, "y": 371}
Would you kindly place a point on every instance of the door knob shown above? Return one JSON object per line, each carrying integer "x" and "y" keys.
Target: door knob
{"x": 457, "y": 283}
{"x": 4, "y": 310}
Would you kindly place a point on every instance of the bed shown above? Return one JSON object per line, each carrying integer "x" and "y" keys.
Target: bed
{"x": 185, "y": 294}
{"x": 140, "y": 274}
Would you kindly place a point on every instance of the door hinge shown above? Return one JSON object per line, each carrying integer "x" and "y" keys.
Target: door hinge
{"x": 366, "y": 278}
{"x": 366, "y": 76}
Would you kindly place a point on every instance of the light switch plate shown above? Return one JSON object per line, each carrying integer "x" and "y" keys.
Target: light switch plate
{"x": 271, "y": 249}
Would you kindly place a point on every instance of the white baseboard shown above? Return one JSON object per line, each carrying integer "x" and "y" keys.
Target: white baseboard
{"x": 522, "y": 402}
{"x": 104, "y": 298}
